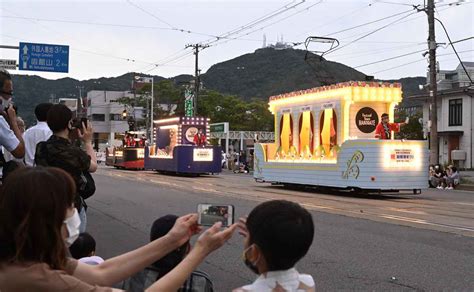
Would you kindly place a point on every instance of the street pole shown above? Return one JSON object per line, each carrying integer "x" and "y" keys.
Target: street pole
{"x": 196, "y": 48}
{"x": 434, "y": 148}
{"x": 151, "y": 113}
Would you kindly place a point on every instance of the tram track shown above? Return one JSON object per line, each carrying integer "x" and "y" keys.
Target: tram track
{"x": 441, "y": 215}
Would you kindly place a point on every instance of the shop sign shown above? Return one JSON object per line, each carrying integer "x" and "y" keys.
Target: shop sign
{"x": 286, "y": 111}
{"x": 367, "y": 119}
{"x": 203, "y": 154}
{"x": 190, "y": 133}
{"x": 328, "y": 105}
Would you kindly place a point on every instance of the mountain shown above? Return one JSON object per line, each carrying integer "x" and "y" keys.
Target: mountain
{"x": 410, "y": 87}
{"x": 269, "y": 71}
{"x": 30, "y": 90}
{"x": 258, "y": 75}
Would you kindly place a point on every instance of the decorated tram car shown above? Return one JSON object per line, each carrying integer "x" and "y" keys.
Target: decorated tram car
{"x": 131, "y": 155}
{"x": 325, "y": 137}
{"x": 181, "y": 147}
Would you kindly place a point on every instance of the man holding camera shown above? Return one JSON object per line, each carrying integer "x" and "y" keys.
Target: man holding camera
{"x": 60, "y": 151}
{"x": 10, "y": 135}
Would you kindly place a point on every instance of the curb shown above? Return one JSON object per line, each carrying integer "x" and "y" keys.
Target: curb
{"x": 465, "y": 187}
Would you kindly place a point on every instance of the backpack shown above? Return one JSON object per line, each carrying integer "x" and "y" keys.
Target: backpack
{"x": 85, "y": 185}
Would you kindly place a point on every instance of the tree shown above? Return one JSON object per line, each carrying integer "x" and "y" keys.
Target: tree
{"x": 412, "y": 131}
{"x": 241, "y": 115}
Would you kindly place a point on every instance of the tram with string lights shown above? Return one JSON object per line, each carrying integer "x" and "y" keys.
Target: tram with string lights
{"x": 131, "y": 155}
{"x": 324, "y": 137}
{"x": 181, "y": 147}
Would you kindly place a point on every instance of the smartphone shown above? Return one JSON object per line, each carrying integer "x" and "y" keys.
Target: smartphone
{"x": 212, "y": 213}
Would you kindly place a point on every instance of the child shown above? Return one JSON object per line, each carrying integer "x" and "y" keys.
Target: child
{"x": 277, "y": 235}
{"x": 83, "y": 249}
{"x": 197, "y": 282}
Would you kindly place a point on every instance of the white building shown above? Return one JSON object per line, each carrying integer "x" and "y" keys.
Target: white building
{"x": 105, "y": 113}
{"x": 451, "y": 79}
{"x": 455, "y": 116}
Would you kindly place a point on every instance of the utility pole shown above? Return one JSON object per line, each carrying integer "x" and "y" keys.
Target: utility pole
{"x": 196, "y": 48}
{"x": 434, "y": 148}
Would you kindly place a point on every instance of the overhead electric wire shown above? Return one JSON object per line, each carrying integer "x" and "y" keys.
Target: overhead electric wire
{"x": 336, "y": 19}
{"x": 389, "y": 59}
{"x": 275, "y": 22}
{"x": 149, "y": 13}
{"x": 370, "y": 33}
{"x": 416, "y": 61}
{"x": 393, "y": 3}
{"x": 64, "y": 36}
{"x": 454, "y": 49}
{"x": 257, "y": 21}
{"x": 375, "y": 51}
{"x": 253, "y": 23}
{"x": 368, "y": 23}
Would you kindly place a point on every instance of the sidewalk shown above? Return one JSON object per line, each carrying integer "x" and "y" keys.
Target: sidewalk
{"x": 467, "y": 180}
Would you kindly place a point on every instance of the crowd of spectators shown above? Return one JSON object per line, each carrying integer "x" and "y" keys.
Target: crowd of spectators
{"x": 444, "y": 179}
{"x": 44, "y": 245}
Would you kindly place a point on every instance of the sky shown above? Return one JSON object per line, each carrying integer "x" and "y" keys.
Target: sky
{"x": 110, "y": 38}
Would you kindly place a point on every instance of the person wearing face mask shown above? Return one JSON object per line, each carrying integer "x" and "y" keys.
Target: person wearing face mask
{"x": 39, "y": 222}
{"x": 277, "y": 235}
{"x": 59, "y": 151}
{"x": 10, "y": 135}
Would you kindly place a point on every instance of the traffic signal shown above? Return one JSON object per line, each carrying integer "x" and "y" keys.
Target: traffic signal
{"x": 124, "y": 114}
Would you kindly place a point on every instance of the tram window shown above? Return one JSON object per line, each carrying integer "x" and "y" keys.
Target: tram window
{"x": 166, "y": 140}
{"x": 306, "y": 133}
{"x": 328, "y": 131}
{"x": 286, "y": 133}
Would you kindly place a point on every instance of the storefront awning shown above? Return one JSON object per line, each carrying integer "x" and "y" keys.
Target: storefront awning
{"x": 450, "y": 133}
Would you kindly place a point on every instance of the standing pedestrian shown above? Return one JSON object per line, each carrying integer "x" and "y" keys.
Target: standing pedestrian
{"x": 59, "y": 151}
{"x": 38, "y": 133}
{"x": 10, "y": 134}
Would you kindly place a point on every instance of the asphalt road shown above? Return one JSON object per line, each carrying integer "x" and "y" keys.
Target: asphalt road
{"x": 401, "y": 242}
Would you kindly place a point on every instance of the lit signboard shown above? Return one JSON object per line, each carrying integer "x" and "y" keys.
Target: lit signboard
{"x": 203, "y": 154}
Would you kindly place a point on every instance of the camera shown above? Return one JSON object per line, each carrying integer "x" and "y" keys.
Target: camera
{"x": 78, "y": 122}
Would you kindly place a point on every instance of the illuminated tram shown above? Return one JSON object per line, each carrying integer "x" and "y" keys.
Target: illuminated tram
{"x": 181, "y": 147}
{"x": 324, "y": 137}
{"x": 131, "y": 155}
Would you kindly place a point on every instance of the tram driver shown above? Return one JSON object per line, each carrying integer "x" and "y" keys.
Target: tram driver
{"x": 385, "y": 128}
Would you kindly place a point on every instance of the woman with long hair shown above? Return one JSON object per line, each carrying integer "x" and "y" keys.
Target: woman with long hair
{"x": 39, "y": 221}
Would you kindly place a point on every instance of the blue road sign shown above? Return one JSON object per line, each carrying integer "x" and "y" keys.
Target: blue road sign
{"x": 44, "y": 57}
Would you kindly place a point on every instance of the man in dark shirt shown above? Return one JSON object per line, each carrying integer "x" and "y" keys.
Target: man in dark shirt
{"x": 59, "y": 152}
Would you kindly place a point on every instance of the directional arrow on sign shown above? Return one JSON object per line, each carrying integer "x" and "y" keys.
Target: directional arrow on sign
{"x": 25, "y": 50}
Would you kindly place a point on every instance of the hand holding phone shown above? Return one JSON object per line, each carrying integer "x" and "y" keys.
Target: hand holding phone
{"x": 212, "y": 213}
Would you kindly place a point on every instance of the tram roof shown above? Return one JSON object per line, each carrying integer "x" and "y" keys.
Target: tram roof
{"x": 354, "y": 91}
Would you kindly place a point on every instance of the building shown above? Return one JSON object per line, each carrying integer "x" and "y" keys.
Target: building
{"x": 455, "y": 120}
{"x": 105, "y": 113}
{"x": 457, "y": 78}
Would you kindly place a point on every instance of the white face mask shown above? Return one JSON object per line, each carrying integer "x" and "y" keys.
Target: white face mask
{"x": 72, "y": 225}
{"x": 4, "y": 103}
